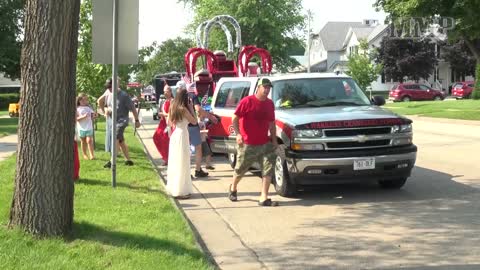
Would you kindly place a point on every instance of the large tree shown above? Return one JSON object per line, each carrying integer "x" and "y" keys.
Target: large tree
{"x": 409, "y": 58}
{"x": 10, "y": 32}
{"x": 465, "y": 13}
{"x": 271, "y": 24}
{"x": 43, "y": 197}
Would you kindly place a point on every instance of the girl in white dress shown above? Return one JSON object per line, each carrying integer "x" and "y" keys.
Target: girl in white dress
{"x": 181, "y": 113}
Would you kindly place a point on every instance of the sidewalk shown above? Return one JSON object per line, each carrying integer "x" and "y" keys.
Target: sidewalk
{"x": 214, "y": 233}
{"x": 8, "y": 146}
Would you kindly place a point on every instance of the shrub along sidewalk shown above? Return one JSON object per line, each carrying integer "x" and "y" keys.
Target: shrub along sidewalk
{"x": 452, "y": 109}
{"x": 134, "y": 226}
{"x": 8, "y": 126}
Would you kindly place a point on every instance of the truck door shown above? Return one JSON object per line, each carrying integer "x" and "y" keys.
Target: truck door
{"x": 225, "y": 101}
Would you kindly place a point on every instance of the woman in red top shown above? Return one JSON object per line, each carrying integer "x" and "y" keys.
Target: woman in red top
{"x": 161, "y": 137}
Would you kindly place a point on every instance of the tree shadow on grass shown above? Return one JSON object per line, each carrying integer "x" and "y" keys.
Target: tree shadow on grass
{"x": 94, "y": 182}
{"x": 91, "y": 232}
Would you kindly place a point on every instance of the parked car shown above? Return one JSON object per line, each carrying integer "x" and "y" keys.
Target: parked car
{"x": 463, "y": 89}
{"x": 148, "y": 95}
{"x": 328, "y": 131}
{"x": 414, "y": 91}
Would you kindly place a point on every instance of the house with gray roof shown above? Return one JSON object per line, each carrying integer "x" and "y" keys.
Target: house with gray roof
{"x": 336, "y": 40}
{"x": 9, "y": 86}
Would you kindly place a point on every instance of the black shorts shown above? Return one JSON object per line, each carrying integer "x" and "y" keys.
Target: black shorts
{"x": 121, "y": 125}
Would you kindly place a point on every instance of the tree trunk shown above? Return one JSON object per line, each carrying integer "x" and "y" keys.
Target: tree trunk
{"x": 43, "y": 195}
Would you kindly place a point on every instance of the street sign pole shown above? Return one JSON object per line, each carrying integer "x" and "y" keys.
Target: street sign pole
{"x": 114, "y": 92}
{"x": 112, "y": 46}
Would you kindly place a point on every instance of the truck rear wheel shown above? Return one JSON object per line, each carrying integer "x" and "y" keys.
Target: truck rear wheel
{"x": 281, "y": 179}
{"x": 392, "y": 184}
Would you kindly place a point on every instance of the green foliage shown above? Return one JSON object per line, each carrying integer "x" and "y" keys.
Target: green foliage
{"x": 11, "y": 33}
{"x": 271, "y": 24}
{"x": 476, "y": 91}
{"x": 465, "y": 13}
{"x": 6, "y": 99}
{"x": 361, "y": 67}
{"x": 166, "y": 58}
{"x": 91, "y": 77}
{"x": 8, "y": 126}
{"x": 134, "y": 226}
{"x": 409, "y": 58}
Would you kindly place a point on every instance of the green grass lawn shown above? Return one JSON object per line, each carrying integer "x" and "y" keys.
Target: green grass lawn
{"x": 3, "y": 112}
{"x": 134, "y": 226}
{"x": 8, "y": 126}
{"x": 455, "y": 109}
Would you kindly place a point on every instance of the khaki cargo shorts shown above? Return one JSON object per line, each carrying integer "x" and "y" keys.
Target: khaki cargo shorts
{"x": 263, "y": 154}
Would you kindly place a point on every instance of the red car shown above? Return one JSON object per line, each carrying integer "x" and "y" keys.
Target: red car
{"x": 463, "y": 89}
{"x": 414, "y": 91}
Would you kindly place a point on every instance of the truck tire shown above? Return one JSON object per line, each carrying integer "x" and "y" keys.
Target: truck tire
{"x": 232, "y": 159}
{"x": 392, "y": 184}
{"x": 281, "y": 179}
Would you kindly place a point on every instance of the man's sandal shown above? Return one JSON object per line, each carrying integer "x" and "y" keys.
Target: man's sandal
{"x": 232, "y": 195}
{"x": 268, "y": 202}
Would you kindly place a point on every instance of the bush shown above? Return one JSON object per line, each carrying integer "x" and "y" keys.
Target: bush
{"x": 476, "y": 90}
{"x": 6, "y": 99}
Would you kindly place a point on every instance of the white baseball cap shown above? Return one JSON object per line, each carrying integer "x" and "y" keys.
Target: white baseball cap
{"x": 181, "y": 85}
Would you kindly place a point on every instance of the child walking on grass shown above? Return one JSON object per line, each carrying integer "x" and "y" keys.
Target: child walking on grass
{"x": 85, "y": 116}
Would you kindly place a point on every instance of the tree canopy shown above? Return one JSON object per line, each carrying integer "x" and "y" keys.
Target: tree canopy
{"x": 11, "y": 37}
{"x": 464, "y": 12}
{"x": 271, "y": 24}
{"x": 361, "y": 67}
{"x": 91, "y": 77}
{"x": 409, "y": 58}
{"x": 166, "y": 57}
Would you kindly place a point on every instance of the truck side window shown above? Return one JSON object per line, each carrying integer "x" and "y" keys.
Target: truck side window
{"x": 230, "y": 93}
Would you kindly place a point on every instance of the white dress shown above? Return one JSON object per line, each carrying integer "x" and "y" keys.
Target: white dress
{"x": 179, "y": 182}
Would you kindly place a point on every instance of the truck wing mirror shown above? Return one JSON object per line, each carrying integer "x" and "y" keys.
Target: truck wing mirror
{"x": 378, "y": 100}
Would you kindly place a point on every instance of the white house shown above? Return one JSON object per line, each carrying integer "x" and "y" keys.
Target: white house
{"x": 331, "y": 47}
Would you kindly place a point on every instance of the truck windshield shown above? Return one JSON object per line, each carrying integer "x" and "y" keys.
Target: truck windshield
{"x": 317, "y": 92}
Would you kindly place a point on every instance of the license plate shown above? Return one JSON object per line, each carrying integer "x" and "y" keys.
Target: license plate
{"x": 364, "y": 164}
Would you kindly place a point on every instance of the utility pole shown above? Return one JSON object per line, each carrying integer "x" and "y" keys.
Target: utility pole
{"x": 309, "y": 41}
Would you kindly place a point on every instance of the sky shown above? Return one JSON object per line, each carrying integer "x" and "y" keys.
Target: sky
{"x": 165, "y": 19}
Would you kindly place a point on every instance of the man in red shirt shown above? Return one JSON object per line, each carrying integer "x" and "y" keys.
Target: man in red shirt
{"x": 254, "y": 118}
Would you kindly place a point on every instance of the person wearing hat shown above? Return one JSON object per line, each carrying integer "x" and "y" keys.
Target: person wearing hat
{"x": 194, "y": 129}
{"x": 124, "y": 106}
{"x": 252, "y": 121}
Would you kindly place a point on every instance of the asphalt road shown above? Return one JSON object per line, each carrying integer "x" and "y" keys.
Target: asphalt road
{"x": 430, "y": 224}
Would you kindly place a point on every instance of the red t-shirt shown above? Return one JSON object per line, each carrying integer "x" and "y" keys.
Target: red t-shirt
{"x": 255, "y": 117}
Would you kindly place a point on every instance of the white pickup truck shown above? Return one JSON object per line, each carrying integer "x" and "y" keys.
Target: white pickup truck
{"x": 327, "y": 129}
